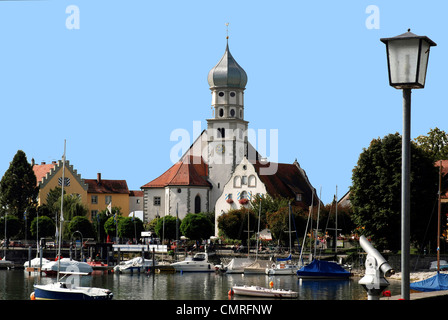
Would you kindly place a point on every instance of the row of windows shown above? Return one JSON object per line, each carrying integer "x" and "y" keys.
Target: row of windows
{"x": 221, "y": 93}
{"x": 232, "y": 113}
{"x": 94, "y": 199}
{"x": 250, "y": 181}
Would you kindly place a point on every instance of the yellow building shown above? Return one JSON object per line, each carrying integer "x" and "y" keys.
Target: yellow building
{"x": 102, "y": 192}
{"x": 49, "y": 176}
{"x": 96, "y": 194}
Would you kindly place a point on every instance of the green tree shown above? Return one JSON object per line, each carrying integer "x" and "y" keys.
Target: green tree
{"x": 130, "y": 227}
{"x": 435, "y": 144}
{"x": 267, "y": 204}
{"x": 13, "y": 226}
{"x": 376, "y": 192}
{"x": 73, "y": 207}
{"x": 166, "y": 227}
{"x": 44, "y": 225}
{"x": 110, "y": 226}
{"x": 197, "y": 226}
{"x": 234, "y": 223}
{"x": 83, "y": 225}
{"x": 18, "y": 187}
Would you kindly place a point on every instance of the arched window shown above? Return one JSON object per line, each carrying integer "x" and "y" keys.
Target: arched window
{"x": 221, "y": 132}
{"x": 252, "y": 181}
{"x": 237, "y": 182}
{"x": 197, "y": 204}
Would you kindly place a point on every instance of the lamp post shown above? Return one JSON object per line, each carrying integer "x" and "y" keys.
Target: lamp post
{"x": 407, "y": 60}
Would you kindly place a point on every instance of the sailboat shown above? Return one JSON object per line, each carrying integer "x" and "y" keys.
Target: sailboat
{"x": 258, "y": 266}
{"x": 282, "y": 268}
{"x": 321, "y": 269}
{"x": 60, "y": 290}
{"x": 439, "y": 281}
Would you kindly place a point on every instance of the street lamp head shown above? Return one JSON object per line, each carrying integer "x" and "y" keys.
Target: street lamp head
{"x": 407, "y": 60}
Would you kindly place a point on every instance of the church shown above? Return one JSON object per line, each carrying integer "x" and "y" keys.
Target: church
{"x": 222, "y": 170}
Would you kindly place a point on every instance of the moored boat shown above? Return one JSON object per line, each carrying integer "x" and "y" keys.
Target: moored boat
{"x": 257, "y": 291}
{"x": 199, "y": 263}
{"x": 67, "y": 291}
{"x": 321, "y": 269}
{"x": 66, "y": 265}
{"x": 135, "y": 265}
{"x": 237, "y": 265}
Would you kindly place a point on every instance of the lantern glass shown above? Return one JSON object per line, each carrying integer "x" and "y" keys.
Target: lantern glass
{"x": 403, "y": 61}
{"x": 407, "y": 57}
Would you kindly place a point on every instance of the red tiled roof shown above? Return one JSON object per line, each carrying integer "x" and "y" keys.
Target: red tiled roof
{"x": 107, "y": 186}
{"x": 41, "y": 170}
{"x": 287, "y": 182}
{"x": 192, "y": 171}
{"x": 136, "y": 193}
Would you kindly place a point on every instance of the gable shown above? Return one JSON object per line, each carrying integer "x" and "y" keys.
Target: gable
{"x": 46, "y": 172}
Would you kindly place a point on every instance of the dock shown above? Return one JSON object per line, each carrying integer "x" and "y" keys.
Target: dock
{"x": 432, "y": 295}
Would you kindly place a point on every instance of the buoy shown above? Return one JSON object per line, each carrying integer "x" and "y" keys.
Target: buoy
{"x": 32, "y": 297}
{"x": 231, "y": 292}
{"x": 271, "y": 284}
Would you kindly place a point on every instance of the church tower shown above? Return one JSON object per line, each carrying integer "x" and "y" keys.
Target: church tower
{"x": 227, "y": 130}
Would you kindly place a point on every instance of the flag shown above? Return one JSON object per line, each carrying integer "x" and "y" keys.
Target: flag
{"x": 109, "y": 207}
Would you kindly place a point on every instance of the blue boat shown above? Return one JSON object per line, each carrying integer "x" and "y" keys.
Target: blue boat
{"x": 438, "y": 282}
{"x": 321, "y": 269}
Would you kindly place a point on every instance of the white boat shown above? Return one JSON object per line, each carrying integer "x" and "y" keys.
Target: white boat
{"x": 282, "y": 268}
{"x": 199, "y": 263}
{"x": 135, "y": 265}
{"x": 34, "y": 264}
{"x": 237, "y": 265}
{"x": 66, "y": 265}
{"x": 68, "y": 291}
{"x": 256, "y": 291}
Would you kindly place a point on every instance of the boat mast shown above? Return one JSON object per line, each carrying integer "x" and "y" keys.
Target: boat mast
{"x": 307, "y": 223}
{"x": 317, "y": 225}
{"x": 61, "y": 219}
{"x": 336, "y": 222}
{"x": 258, "y": 234}
{"x": 438, "y": 217}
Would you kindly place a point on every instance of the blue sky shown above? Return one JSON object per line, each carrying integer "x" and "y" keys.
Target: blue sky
{"x": 136, "y": 70}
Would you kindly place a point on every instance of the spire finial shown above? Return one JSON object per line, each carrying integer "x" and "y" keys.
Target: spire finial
{"x": 227, "y": 30}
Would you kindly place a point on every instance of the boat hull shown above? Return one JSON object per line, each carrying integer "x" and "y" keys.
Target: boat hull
{"x": 192, "y": 267}
{"x": 320, "y": 269}
{"x": 255, "y": 291}
{"x": 58, "y": 291}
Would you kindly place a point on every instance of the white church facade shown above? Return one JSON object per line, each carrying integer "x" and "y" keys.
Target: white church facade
{"x": 222, "y": 168}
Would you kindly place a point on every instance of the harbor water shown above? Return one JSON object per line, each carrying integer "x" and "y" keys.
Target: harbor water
{"x": 17, "y": 284}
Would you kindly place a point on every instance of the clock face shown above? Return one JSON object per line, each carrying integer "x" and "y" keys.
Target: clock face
{"x": 220, "y": 148}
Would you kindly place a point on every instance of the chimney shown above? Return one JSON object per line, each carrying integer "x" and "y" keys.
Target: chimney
{"x": 98, "y": 177}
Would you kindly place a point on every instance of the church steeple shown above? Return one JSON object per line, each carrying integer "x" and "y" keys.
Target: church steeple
{"x": 227, "y": 130}
{"x": 227, "y": 81}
